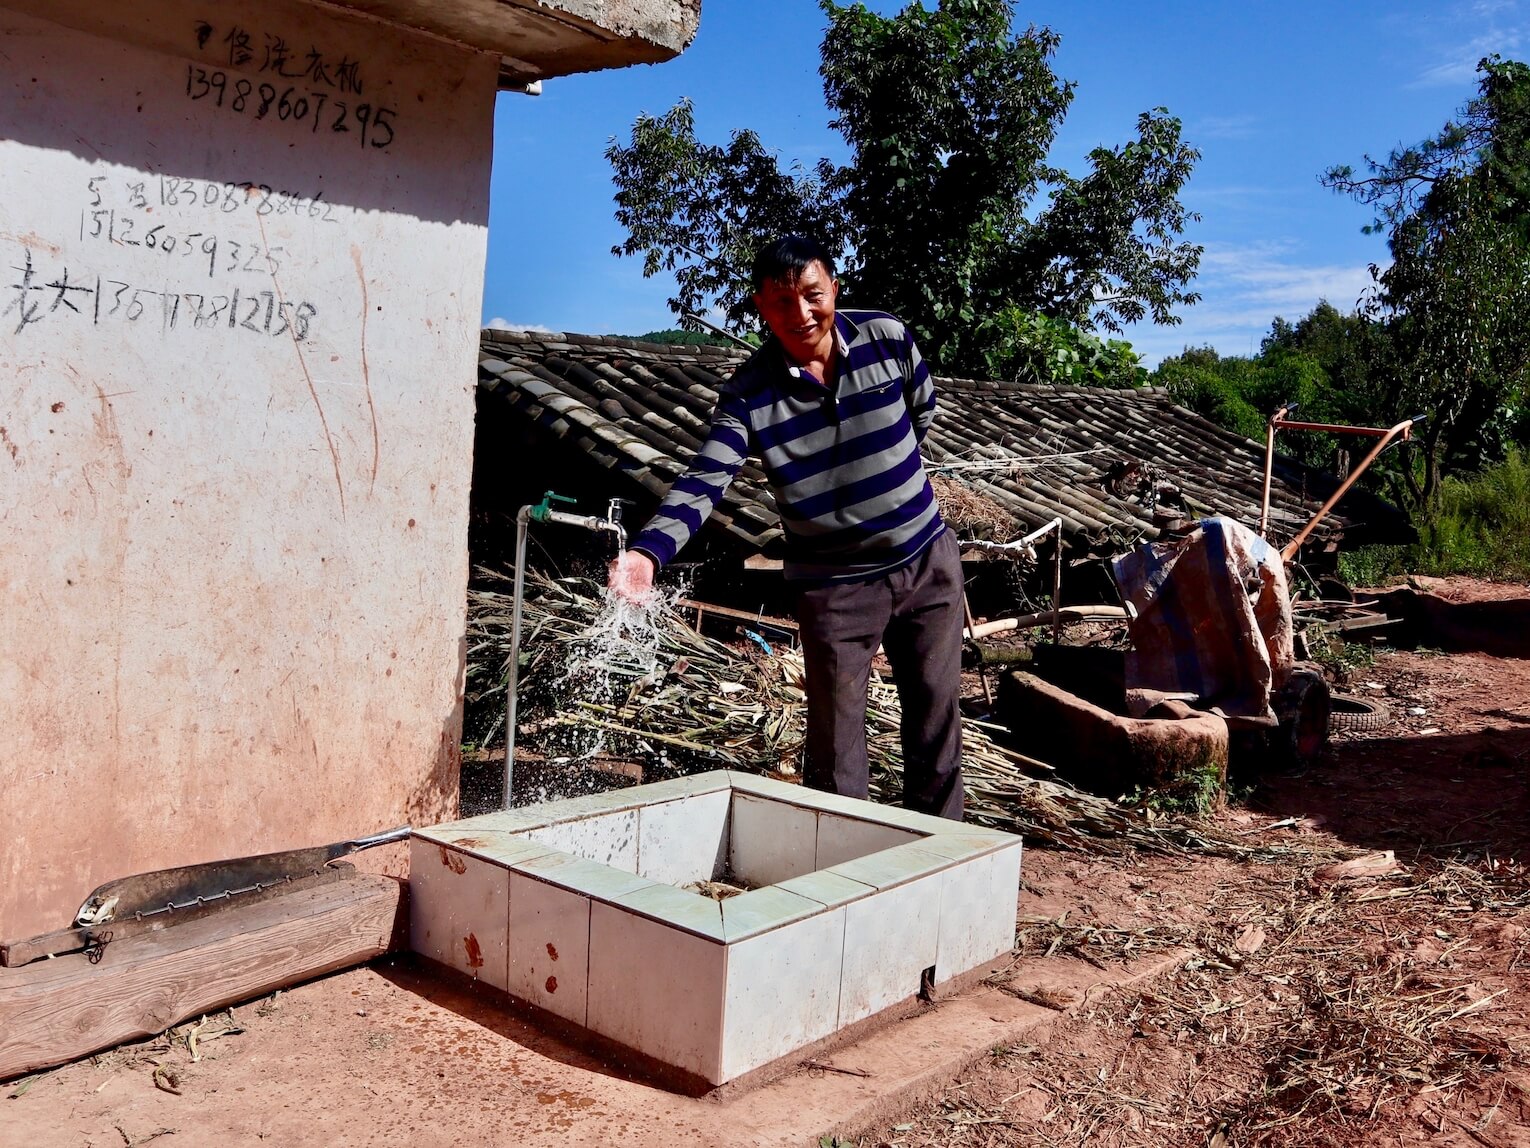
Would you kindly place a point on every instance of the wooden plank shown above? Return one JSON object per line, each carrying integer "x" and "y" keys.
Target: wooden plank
{"x": 57, "y": 1010}
{"x": 741, "y": 615}
{"x": 16, "y": 953}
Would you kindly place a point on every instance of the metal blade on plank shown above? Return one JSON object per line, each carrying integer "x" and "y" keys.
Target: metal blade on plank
{"x": 189, "y": 886}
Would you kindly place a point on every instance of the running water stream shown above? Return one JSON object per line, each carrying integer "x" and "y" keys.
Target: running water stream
{"x": 616, "y": 654}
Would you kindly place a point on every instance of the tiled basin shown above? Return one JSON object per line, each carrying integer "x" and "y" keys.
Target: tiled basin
{"x": 576, "y": 906}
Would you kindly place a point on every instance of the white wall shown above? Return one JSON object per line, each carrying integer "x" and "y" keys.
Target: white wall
{"x": 237, "y": 344}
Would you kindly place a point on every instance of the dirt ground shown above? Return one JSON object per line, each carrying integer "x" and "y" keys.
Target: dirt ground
{"x": 1357, "y": 979}
{"x": 1387, "y": 1008}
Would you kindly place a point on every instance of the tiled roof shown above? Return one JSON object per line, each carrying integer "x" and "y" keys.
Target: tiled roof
{"x": 1115, "y": 465}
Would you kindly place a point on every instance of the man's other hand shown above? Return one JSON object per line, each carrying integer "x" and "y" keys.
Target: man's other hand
{"x": 630, "y": 576}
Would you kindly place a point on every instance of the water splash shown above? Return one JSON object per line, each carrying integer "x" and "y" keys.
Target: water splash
{"x": 614, "y": 657}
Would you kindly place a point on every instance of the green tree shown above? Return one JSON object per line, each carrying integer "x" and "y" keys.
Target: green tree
{"x": 1354, "y": 351}
{"x": 1456, "y": 298}
{"x": 700, "y": 211}
{"x": 1239, "y": 392}
{"x": 948, "y": 212}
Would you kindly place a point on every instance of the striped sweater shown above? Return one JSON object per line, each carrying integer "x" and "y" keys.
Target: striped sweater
{"x": 843, "y": 461}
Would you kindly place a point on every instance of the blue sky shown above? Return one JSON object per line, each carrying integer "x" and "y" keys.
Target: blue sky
{"x": 1271, "y": 94}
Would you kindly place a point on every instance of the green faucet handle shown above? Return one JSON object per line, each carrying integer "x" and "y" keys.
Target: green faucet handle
{"x": 541, "y": 510}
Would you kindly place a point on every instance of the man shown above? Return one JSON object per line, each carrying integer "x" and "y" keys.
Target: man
{"x": 835, "y": 405}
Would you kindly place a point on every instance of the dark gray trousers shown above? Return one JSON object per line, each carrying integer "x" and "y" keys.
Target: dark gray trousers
{"x": 915, "y": 614}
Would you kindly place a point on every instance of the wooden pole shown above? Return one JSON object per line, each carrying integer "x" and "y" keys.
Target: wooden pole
{"x": 972, "y": 628}
{"x": 1044, "y": 617}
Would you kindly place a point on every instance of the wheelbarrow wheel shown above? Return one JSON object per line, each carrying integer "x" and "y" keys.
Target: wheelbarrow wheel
{"x": 1302, "y": 707}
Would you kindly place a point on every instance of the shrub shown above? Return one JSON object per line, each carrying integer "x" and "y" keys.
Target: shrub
{"x": 1481, "y": 527}
{"x": 1482, "y": 524}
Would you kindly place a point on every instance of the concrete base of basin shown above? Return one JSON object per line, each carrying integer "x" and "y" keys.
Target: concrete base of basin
{"x": 585, "y": 909}
{"x": 846, "y": 1089}
{"x": 1184, "y": 757}
{"x": 651, "y": 1071}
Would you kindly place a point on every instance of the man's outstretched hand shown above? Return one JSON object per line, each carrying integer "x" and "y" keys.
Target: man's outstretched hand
{"x": 630, "y": 576}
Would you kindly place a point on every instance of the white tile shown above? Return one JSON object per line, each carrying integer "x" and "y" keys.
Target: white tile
{"x": 657, "y": 990}
{"x": 764, "y": 910}
{"x": 607, "y": 838}
{"x": 497, "y": 847}
{"x": 713, "y": 781}
{"x": 783, "y": 991}
{"x": 825, "y": 888}
{"x": 742, "y": 781}
{"x": 844, "y": 838}
{"x": 963, "y": 846}
{"x": 684, "y": 840}
{"x": 860, "y": 808}
{"x": 589, "y": 804}
{"x": 459, "y": 908}
{"x": 890, "y": 939}
{"x": 770, "y": 841}
{"x": 549, "y": 946}
{"x": 501, "y": 821}
{"x": 1006, "y": 893}
{"x": 977, "y": 912}
{"x": 890, "y": 867}
{"x": 589, "y": 879}
{"x": 674, "y": 907}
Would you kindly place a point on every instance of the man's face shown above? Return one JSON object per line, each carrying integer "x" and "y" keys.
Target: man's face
{"x": 800, "y": 312}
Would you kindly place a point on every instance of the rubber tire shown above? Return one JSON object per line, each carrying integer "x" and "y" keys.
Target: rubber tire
{"x": 1303, "y": 707}
{"x": 1352, "y": 712}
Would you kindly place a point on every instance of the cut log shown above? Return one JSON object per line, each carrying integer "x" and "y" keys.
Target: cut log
{"x": 56, "y": 1010}
{"x": 989, "y": 656}
{"x": 1045, "y": 617}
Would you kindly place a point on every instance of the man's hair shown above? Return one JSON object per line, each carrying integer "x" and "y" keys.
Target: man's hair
{"x": 785, "y": 258}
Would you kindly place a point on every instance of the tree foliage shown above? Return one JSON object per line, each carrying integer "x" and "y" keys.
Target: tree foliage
{"x": 700, "y": 211}
{"x": 1456, "y": 298}
{"x": 1239, "y": 392}
{"x": 948, "y": 213}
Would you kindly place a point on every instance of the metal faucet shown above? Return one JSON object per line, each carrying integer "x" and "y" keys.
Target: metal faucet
{"x": 543, "y": 512}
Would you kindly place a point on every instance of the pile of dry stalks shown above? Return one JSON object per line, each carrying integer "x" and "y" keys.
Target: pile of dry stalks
{"x": 710, "y": 705}
{"x": 973, "y": 514}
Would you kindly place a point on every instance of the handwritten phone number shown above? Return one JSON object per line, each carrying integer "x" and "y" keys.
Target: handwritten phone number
{"x": 35, "y": 297}
{"x": 228, "y": 197}
{"x": 371, "y": 124}
{"x": 109, "y": 226}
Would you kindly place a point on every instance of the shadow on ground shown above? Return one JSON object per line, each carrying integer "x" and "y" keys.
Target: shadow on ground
{"x": 1438, "y": 795}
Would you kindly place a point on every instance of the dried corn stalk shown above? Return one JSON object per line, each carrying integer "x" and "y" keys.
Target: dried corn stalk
{"x": 710, "y": 705}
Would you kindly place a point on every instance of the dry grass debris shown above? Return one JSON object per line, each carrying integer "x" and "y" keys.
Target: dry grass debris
{"x": 973, "y": 514}
{"x": 713, "y": 706}
{"x": 1306, "y": 1013}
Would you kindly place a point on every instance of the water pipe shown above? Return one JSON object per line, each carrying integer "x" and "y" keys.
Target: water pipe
{"x": 542, "y": 512}
{"x": 1027, "y": 547}
{"x": 1385, "y": 436}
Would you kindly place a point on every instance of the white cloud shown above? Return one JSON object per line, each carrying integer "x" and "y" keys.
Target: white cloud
{"x": 1243, "y": 289}
{"x": 1222, "y": 128}
{"x": 1460, "y": 64}
{"x": 499, "y": 324}
{"x": 1468, "y": 32}
{"x": 1261, "y": 275}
